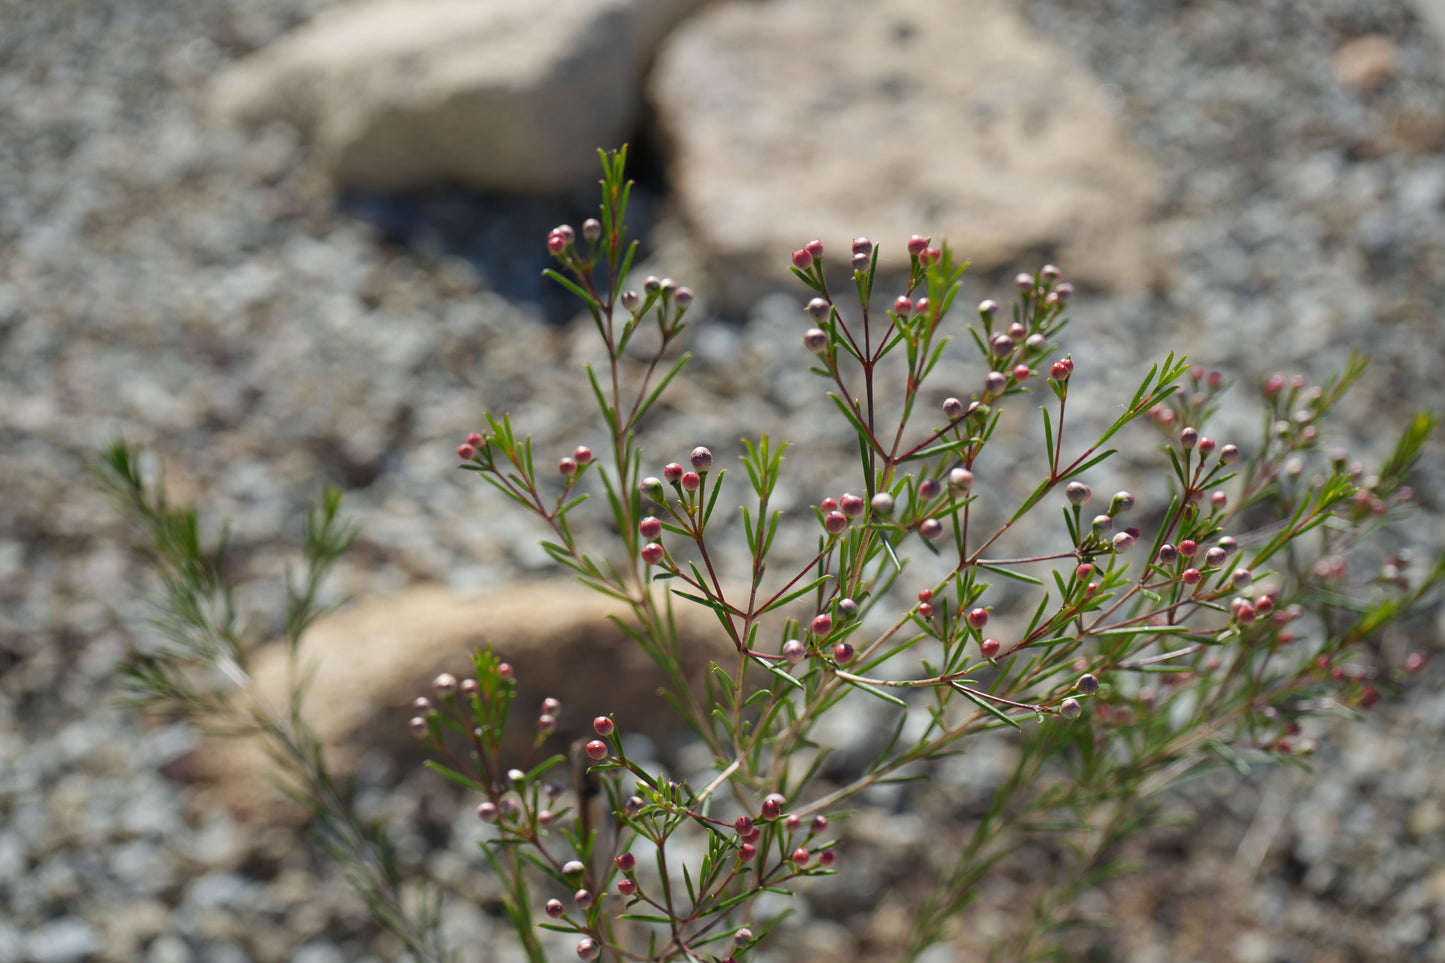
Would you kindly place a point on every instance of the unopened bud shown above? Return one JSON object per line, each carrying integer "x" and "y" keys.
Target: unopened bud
{"x": 588, "y": 949}
{"x": 960, "y": 480}
{"x": 978, "y": 618}
{"x": 861, "y": 245}
{"x": 1088, "y": 683}
{"x": 1120, "y": 503}
{"x": 1214, "y": 557}
{"x": 931, "y": 529}
{"x": 882, "y": 504}
{"x": 1024, "y": 282}
{"x": 487, "y": 812}
{"x": 815, "y": 340}
{"x": 995, "y": 382}
{"x": 851, "y": 505}
{"x": 794, "y": 651}
{"x": 988, "y": 308}
{"x": 1123, "y": 542}
{"x": 1070, "y": 708}
{"x": 818, "y": 309}
{"x": 822, "y": 624}
{"x": 1229, "y": 454}
{"x": 603, "y": 726}
{"x": 861, "y": 263}
{"x": 773, "y": 805}
{"x": 952, "y": 408}
{"x": 597, "y": 750}
{"x": 989, "y": 648}
{"x": 445, "y": 684}
{"x": 418, "y": 727}
{"x": 1078, "y": 493}
{"x": 1189, "y": 437}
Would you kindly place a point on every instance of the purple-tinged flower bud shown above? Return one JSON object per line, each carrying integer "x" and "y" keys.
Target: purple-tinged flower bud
{"x": 583, "y": 898}
{"x": 567, "y": 466}
{"x": 822, "y": 624}
{"x": 818, "y": 309}
{"x": 1021, "y": 373}
{"x": 882, "y": 504}
{"x": 1050, "y": 273}
{"x": 1051, "y": 300}
{"x": 603, "y": 726}
{"x": 466, "y": 452}
{"x": 690, "y": 481}
{"x": 743, "y": 825}
{"x": 931, "y": 529}
{"x": 1120, "y": 503}
{"x": 588, "y": 949}
{"x": 573, "y": 867}
{"x": 555, "y": 909}
{"x": 546, "y": 723}
{"x": 902, "y": 305}
{"x": 1246, "y": 614}
{"x": 1061, "y": 370}
{"x": 651, "y": 487}
{"x": 1206, "y": 446}
{"x": 820, "y": 825}
{"x": 1024, "y": 282}
{"x": 445, "y": 684}
{"x": 701, "y": 458}
{"x": 852, "y": 505}
{"x": 667, "y": 285}
{"x": 1215, "y": 557}
{"x": 995, "y": 382}
{"x": 1188, "y": 547}
{"x": 1017, "y": 331}
{"x": 1036, "y": 342}
{"x": 1088, "y": 683}
{"x": 847, "y": 608}
{"x": 952, "y": 408}
{"x": 1102, "y": 525}
{"x": 1168, "y": 554}
{"x": 554, "y": 790}
{"x": 917, "y": 244}
{"x": 987, "y": 308}
{"x": 1000, "y": 345}
{"x": 1264, "y": 605}
{"x": 597, "y": 750}
{"x": 978, "y": 618}
{"x": 800, "y": 856}
{"x": 672, "y": 472}
{"x": 1273, "y": 384}
{"x": 633, "y": 805}
{"x": 546, "y": 818}
{"x": 418, "y": 727}
{"x": 650, "y": 528}
{"x": 861, "y": 263}
{"x": 626, "y": 862}
{"x": 627, "y": 887}
{"x": 815, "y": 340}
{"x": 802, "y": 260}
{"x": 1070, "y": 708}
{"x": 1078, "y": 493}
{"x": 652, "y": 284}
{"x": 835, "y": 523}
{"x": 746, "y": 852}
{"x": 793, "y": 823}
{"x": 843, "y": 653}
{"x": 1229, "y": 454}
{"x": 1219, "y": 500}
{"x": 794, "y": 651}
{"x": 815, "y": 248}
{"x": 1191, "y": 576}
{"x": 773, "y": 805}
{"x": 960, "y": 480}
{"x": 1229, "y": 544}
{"x": 1241, "y": 578}
{"x": 827, "y": 857}
{"x": 861, "y": 245}
{"x": 929, "y": 489}
{"x": 631, "y": 300}
{"x": 592, "y": 229}
{"x": 682, "y": 297}
{"x": 475, "y": 440}
{"x": 421, "y": 704}
{"x": 1123, "y": 542}
{"x": 509, "y": 807}
{"x": 990, "y": 648}
{"x": 652, "y": 553}
{"x": 487, "y": 811}
{"x": 1064, "y": 291}
{"x": 1188, "y": 437}
{"x": 516, "y": 776}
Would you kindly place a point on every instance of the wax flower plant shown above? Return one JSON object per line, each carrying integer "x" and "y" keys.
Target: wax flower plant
{"x": 1149, "y": 642}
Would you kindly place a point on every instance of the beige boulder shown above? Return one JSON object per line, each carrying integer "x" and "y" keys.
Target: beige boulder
{"x": 794, "y": 119}
{"x": 371, "y": 658}
{"x": 509, "y": 95}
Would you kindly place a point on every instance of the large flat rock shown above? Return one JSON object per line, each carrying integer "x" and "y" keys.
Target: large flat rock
{"x": 510, "y": 95}
{"x": 794, "y": 119}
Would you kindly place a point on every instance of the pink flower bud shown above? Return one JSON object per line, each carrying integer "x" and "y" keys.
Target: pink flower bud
{"x": 852, "y": 505}
{"x": 597, "y": 750}
{"x": 815, "y": 340}
{"x": 445, "y": 684}
{"x": 418, "y": 727}
{"x": 682, "y": 297}
{"x": 603, "y": 726}
{"x": 1206, "y": 446}
{"x": 902, "y": 305}
{"x": 960, "y": 480}
{"x": 793, "y": 823}
{"x": 567, "y": 466}
{"x": 1191, "y": 576}
{"x": 862, "y": 263}
{"x": 652, "y": 553}
{"x": 1084, "y": 572}
{"x": 861, "y": 245}
{"x": 1049, "y": 273}
{"x": 743, "y": 825}
{"x": 1024, "y": 282}
{"x": 922, "y": 307}
{"x": 917, "y": 244}
{"x": 773, "y": 805}
{"x": 555, "y": 244}
{"x": 505, "y": 671}
{"x": 800, "y": 856}
{"x": 652, "y": 284}
{"x": 1070, "y": 708}
{"x": 691, "y": 481}
{"x": 487, "y": 812}
{"x": 746, "y": 852}
{"x": 421, "y": 704}
{"x": 822, "y": 624}
{"x": 588, "y": 949}
{"x": 952, "y": 408}
{"x": 814, "y": 248}
{"x": 883, "y": 503}
{"x": 818, "y": 309}
{"x": 995, "y": 382}
{"x": 843, "y": 653}
{"x": 1273, "y": 384}
{"x": 1060, "y": 371}
{"x": 466, "y": 452}
{"x": 1063, "y": 292}
{"x": 475, "y": 440}
{"x": 1246, "y": 614}
{"x": 546, "y": 723}
{"x": 925, "y": 610}
{"x": 650, "y": 528}
{"x": 990, "y": 648}
{"x": 1188, "y": 547}
{"x": 931, "y": 529}
{"x": 1000, "y": 345}
{"x": 592, "y": 229}
{"x": 627, "y": 887}
{"x": 555, "y": 909}
{"x": 672, "y": 473}
{"x": 978, "y": 618}
{"x": 1123, "y": 542}
{"x": 1021, "y": 372}
{"x": 929, "y": 489}
{"x": 1215, "y": 557}
{"x": 802, "y": 260}
{"x": 583, "y": 898}
{"x": 631, "y": 300}
{"x": 573, "y": 867}
{"x": 701, "y": 458}
{"x": 827, "y": 857}
{"x": 1188, "y": 437}
{"x": 794, "y": 651}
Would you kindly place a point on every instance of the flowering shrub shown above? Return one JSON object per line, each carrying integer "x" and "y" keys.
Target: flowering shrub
{"x": 1149, "y": 641}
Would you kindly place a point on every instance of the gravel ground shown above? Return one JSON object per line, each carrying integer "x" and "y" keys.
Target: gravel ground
{"x": 205, "y": 294}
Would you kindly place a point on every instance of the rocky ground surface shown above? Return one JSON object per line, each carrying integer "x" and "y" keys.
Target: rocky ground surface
{"x": 205, "y": 294}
